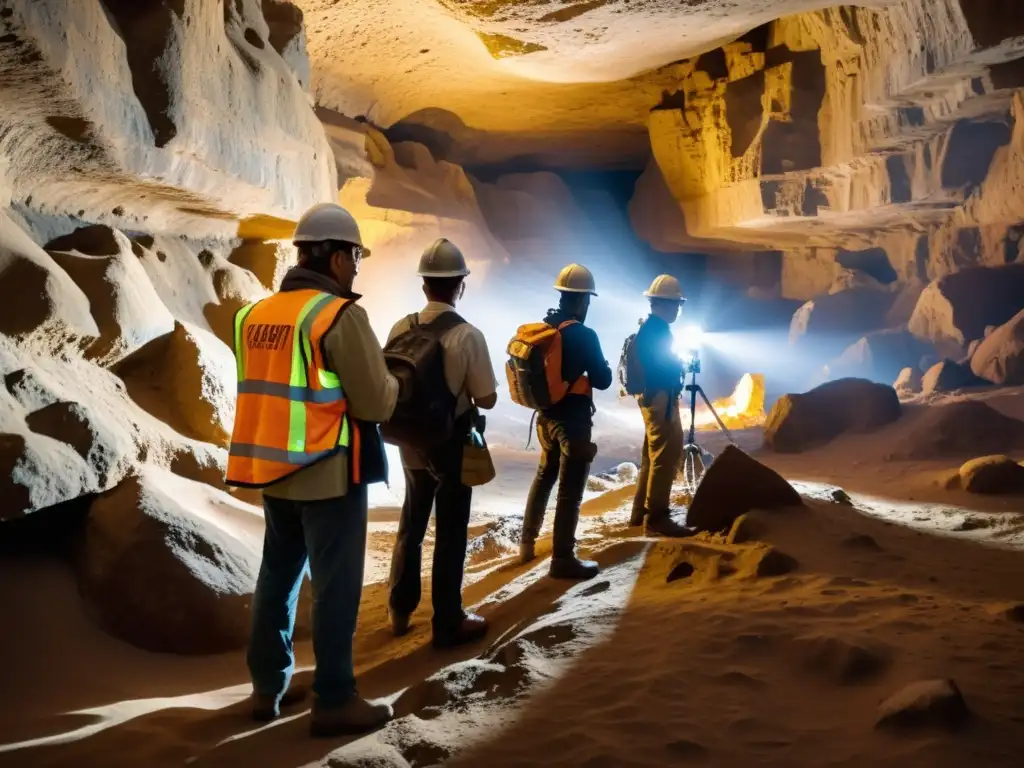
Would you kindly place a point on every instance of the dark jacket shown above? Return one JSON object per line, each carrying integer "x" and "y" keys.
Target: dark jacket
{"x": 581, "y": 354}
{"x": 663, "y": 370}
{"x": 374, "y": 462}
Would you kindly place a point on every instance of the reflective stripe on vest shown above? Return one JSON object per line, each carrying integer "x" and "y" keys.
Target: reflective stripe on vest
{"x": 291, "y": 411}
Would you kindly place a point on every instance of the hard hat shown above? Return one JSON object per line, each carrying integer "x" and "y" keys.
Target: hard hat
{"x": 442, "y": 259}
{"x": 576, "y": 278}
{"x": 328, "y": 221}
{"x": 665, "y": 287}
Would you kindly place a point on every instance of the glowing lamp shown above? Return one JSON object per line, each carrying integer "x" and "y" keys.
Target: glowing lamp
{"x": 687, "y": 341}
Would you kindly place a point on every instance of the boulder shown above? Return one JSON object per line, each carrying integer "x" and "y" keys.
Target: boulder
{"x": 964, "y": 428}
{"x": 126, "y": 308}
{"x": 954, "y": 310}
{"x": 928, "y": 703}
{"x": 268, "y": 260}
{"x": 798, "y": 422}
{"x": 235, "y": 287}
{"x": 880, "y": 356}
{"x": 170, "y": 565}
{"x": 39, "y": 303}
{"x": 108, "y": 453}
{"x": 732, "y": 486}
{"x": 999, "y": 358}
{"x": 992, "y": 474}
{"x": 186, "y": 379}
{"x": 908, "y": 382}
{"x": 949, "y": 376}
{"x": 38, "y": 472}
{"x": 838, "y": 319}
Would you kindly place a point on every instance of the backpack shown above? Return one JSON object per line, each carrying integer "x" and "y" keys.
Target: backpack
{"x": 424, "y": 415}
{"x": 534, "y": 367}
{"x": 631, "y": 373}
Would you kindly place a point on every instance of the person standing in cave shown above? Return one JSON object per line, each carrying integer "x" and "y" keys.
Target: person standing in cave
{"x": 312, "y": 390}
{"x": 434, "y": 474}
{"x": 564, "y": 428}
{"x": 661, "y": 374}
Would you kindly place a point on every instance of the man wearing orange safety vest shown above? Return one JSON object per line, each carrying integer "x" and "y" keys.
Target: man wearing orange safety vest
{"x": 312, "y": 390}
{"x": 564, "y": 429}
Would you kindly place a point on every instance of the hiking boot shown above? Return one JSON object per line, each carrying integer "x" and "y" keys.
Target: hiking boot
{"x": 637, "y": 518}
{"x": 471, "y": 629}
{"x": 268, "y": 708}
{"x": 573, "y": 568}
{"x": 357, "y": 715}
{"x": 664, "y": 525}
{"x": 526, "y": 553}
{"x": 399, "y": 623}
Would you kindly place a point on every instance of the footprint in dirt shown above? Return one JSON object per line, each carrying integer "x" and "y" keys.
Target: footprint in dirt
{"x": 453, "y": 687}
{"x": 549, "y": 637}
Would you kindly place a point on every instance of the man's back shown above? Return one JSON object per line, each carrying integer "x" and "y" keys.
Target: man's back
{"x": 662, "y": 368}
{"x": 581, "y": 355}
{"x": 467, "y": 361}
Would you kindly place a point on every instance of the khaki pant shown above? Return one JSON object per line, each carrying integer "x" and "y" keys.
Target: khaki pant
{"x": 662, "y": 454}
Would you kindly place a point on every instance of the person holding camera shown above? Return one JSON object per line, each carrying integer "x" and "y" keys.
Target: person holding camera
{"x": 650, "y": 360}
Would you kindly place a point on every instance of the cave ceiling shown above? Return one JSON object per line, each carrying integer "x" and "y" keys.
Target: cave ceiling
{"x": 565, "y": 84}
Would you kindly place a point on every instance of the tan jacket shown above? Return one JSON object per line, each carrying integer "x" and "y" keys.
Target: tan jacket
{"x": 355, "y": 355}
{"x": 467, "y": 363}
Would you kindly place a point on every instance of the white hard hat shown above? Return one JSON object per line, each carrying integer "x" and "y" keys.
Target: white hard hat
{"x": 576, "y": 278}
{"x": 328, "y": 221}
{"x": 665, "y": 287}
{"x": 442, "y": 259}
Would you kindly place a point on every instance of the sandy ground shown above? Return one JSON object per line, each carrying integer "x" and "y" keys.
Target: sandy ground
{"x": 734, "y": 664}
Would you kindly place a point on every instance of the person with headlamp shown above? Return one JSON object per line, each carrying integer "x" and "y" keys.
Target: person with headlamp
{"x": 653, "y": 356}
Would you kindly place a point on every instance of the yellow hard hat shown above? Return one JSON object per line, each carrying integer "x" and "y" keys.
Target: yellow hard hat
{"x": 665, "y": 287}
{"x": 576, "y": 278}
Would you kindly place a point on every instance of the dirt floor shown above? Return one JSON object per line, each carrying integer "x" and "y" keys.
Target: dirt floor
{"x": 777, "y": 652}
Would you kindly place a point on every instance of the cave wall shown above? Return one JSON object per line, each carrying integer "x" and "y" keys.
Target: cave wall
{"x": 167, "y": 116}
{"x": 847, "y": 130}
{"x": 151, "y": 155}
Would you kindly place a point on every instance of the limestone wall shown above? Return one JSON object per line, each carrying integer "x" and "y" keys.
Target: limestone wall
{"x": 147, "y": 152}
{"x": 848, "y": 129}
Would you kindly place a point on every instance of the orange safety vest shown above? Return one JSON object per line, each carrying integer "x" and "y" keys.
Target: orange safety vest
{"x": 291, "y": 411}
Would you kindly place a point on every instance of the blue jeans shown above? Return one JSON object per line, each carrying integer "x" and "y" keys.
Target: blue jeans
{"x": 331, "y": 536}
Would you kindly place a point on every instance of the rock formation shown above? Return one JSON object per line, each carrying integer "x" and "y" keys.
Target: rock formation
{"x": 803, "y": 421}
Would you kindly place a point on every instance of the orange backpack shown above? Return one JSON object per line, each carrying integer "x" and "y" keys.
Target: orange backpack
{"x": 534, "y": 367}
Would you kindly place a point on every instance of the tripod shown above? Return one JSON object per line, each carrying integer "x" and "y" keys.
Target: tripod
{"x": 695, "y": 458}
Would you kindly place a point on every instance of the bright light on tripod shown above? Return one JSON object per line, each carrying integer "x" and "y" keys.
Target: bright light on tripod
{"x": 687, "y": 341}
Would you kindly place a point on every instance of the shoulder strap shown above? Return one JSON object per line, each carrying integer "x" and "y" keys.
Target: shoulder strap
{"x": 567, "y": 323}
{"x": 443, "y": 323}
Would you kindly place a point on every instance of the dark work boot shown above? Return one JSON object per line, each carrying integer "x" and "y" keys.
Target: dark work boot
{"x": 564, "y": 563}
{"x": 662, "y": 524}
{"x": 573, "y": 568}
{"x": 471, "y": 629}
{"x": 637, "y": 518}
